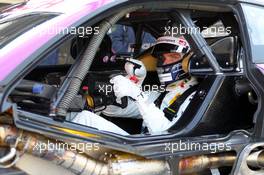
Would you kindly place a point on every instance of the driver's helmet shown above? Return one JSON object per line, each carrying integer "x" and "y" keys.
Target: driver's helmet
{"x": 170, "y": 52}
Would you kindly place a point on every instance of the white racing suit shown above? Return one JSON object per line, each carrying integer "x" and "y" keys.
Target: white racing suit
{"x": 142, "y": 107}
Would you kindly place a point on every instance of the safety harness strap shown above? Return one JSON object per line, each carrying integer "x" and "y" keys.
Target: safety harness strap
{"x": 171, "y": 111}
{"x": 159, "y": 100}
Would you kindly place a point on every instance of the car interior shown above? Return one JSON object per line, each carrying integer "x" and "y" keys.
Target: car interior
{"x": 209, "y": 112}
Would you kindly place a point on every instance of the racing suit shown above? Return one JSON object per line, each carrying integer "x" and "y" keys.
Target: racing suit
{"x": 141, "y": 105}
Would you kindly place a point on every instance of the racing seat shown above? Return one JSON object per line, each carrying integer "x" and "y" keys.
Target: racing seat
{"x": 226, "y": 52}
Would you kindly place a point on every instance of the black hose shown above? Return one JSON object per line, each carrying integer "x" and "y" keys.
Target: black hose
{"x": 86, "y": 61}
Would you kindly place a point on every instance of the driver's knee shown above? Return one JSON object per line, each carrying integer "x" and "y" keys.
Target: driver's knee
{"x": 88, "y": 118}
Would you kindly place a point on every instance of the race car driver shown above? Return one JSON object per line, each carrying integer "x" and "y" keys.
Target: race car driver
{"x": 159, "y": 111}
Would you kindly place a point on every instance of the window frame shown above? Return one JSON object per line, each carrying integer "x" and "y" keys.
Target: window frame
{"x": 253, "y": 33}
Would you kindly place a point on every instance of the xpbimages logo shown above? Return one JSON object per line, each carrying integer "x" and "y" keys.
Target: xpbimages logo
{"x": 82, "y": 32}
{"x": 195, "y": 146}
{"x": 182, "y": 30}
{"x": 59, "y": 146}
{"x": 108, "y": 89}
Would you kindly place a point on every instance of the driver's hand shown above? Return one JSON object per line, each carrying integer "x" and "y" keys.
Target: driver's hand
{"x": 124, "y": 87}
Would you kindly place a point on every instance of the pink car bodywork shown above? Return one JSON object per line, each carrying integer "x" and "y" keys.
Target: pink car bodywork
{"x": 22, "y": 47}
{"x": 25, "y": 45}
{"x": 261, "y": 67}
